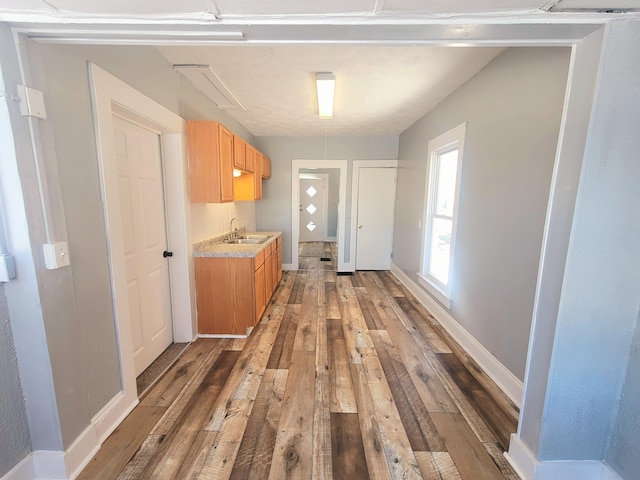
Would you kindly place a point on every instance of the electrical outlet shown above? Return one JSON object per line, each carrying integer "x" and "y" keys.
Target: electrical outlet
{"x": 56, "y": 255}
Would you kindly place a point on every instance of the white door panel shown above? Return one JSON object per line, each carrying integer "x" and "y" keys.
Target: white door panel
{"x": 376, "y": 206}
{"x": 141, "y": 191}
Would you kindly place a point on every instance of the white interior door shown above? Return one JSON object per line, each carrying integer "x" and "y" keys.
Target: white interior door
{"x": 141, "y": 194}
{"x": 312, "y": 219}
{"x": 376, "y": 206}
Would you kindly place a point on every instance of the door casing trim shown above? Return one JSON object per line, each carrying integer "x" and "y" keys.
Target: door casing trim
{"x": 296, "y": 166}
{"x": 111, "y": 96}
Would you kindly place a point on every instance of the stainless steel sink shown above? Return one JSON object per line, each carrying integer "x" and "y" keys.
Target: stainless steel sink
{"x": 243, "y": 241}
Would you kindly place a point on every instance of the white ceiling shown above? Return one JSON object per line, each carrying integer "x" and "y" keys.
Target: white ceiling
{"x": 379, "y": 90}
{"x": 229, "y": 8}
{"x": 386, "y": 77}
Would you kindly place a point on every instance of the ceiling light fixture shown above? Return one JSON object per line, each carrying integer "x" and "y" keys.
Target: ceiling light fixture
{"x": 325, "y": 86}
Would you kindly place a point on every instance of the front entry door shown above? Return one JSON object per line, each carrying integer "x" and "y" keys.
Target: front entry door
{"x": 376, "y": 204}
{"x": 144, "y": 235}
{"x": 311, "y": 210}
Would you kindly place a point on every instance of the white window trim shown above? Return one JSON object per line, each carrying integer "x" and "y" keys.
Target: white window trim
{"x": 449, "y": 140}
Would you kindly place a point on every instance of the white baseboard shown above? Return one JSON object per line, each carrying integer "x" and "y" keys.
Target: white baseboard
{"x": 501, "y": 375}
{"x": 287, "y": 266}
{"x": 330, "y": 239}
{"x": 50, "y": 465}
{"x": 529, "y": 468}
{"x": 609, "y": 474}
{"x": 45, "y": 465}
{"x": 521, "y": 459}
{"x": 39, "y": 465}
{"x": 22, "y": 471}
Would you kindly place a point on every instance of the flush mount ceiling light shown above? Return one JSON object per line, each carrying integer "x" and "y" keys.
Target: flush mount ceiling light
{"x": 205, "y": 79}
{"x": 325, "y": 86}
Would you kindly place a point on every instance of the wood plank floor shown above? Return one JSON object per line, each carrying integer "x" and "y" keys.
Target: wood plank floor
{"x": 344, "y": 377}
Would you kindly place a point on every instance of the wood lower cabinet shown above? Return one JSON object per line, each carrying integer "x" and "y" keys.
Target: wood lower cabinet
{"x": 232, "y": 293}
{"x": 224, "y": 294}
{"x": 279, "y": 262}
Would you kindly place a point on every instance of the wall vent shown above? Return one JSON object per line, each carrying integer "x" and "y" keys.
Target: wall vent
{"x": 205, "y": 79}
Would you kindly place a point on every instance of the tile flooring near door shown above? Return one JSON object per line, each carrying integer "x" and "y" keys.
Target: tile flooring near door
{"x": 344, "y": 377}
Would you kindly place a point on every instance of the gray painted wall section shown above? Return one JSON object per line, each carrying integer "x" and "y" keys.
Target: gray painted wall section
{"x": 585, "y": 62}
{"x": 513, "y": 108}
{"x": 23, "y": 230}
{"x": 273, "y": 213}
{"x": 600, "y": 297}
{"x": 15, "y": 443}
{"x": 77, "y": 300}
{"x": 622, "y": 452}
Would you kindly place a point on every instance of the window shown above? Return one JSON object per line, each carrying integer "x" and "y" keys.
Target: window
{"x": 445, "y": 155}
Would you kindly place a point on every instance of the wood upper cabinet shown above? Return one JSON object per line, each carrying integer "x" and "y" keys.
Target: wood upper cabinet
{"x": 257, "y": 176}
{"x": 239, "y": 153}
{"x": 266, "y": 166}
{"x": 250, "y": 158}
{"x": 210, "y": 148}
{"x": 248, "y": 186}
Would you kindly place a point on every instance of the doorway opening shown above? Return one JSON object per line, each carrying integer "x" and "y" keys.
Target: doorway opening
{"x": 318, "y": 205}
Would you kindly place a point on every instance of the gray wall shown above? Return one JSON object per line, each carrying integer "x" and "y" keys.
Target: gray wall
{"x": 622, "y": 452}
{"x": 513, "y": 109}
{"x": 595, "y": 354}
{"x": 23, "y": 233}
{"x": 77, "y": 301}
{"x": 15, "y": 443}
{"x": 274, "y": 211}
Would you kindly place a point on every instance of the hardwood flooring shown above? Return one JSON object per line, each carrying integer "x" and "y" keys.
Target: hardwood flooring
{"x": 345, "y": 377}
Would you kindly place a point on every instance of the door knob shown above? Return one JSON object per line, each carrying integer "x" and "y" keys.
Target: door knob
{"x": 359, "y": 226}
{"x": 166, "y": 254}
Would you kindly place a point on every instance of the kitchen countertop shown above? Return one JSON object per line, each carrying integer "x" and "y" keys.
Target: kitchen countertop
{"x": 215, "y": 247}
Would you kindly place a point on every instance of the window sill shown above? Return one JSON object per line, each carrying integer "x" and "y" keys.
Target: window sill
{"x": 435, "y": 291}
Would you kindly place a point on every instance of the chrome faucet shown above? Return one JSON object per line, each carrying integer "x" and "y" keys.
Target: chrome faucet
{"x": 234, "y": 233}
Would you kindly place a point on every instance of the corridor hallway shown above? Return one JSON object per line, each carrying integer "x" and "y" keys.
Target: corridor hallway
{"x": 344, "y": 377}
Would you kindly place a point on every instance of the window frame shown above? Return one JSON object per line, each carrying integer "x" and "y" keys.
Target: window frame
{"x": 453, "y": 139}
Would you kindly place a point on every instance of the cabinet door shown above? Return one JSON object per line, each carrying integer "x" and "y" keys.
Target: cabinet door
{"x": 269, "y": 278}
{"x": 225, "y": 141}
{"x": 224, "y": 295}
{"x": 257, "y": 177}
{"x": 274, "y": 268}
{"x": 266, "y": 166}
{"x": 210, "y": 148}
{"x": 261, "y": 301}
{"x": 279, "y": 259}
{"x": 239, "y": 153}
{"x": 249, "y": 158}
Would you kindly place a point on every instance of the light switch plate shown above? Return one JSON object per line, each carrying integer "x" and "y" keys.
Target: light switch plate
{"x": 56, "y": 255}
